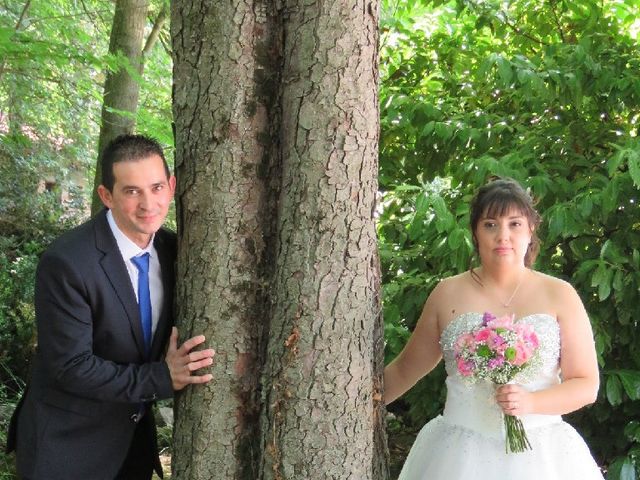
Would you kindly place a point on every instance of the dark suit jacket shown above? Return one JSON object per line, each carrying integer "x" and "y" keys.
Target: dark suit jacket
{"x": 89, "y": 374}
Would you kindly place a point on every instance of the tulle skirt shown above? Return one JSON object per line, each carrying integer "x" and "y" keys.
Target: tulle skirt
{"x": 446, "y": 451}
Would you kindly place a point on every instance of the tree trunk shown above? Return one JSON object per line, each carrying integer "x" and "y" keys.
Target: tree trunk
{"x": 223, "y": 151}
{"x": 320, "y": 417}
{"x": 121, "y": 89}
{"x": 276, "y": 151}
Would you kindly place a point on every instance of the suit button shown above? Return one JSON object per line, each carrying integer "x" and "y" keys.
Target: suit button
{"x": 150, "y": 398}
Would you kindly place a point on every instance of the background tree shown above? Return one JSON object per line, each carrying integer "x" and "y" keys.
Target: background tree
{"x": 122, "y": 86}
{"x": 276, "y": 135}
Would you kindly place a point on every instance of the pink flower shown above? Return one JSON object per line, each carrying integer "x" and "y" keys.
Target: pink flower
{"x": 465, "y": 368}
{"x": 495, "y": 341}
{"x": 465, "y": 342}
{"x": 482, "y": 335}
{"x": 523, "y": 354}
{"x": 532, "y": 340}
{"x": 496, "y": 362}
{"x": 502, "y": 322}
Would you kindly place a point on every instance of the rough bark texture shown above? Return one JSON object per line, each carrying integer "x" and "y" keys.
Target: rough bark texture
{"x": 223, "y": 145}
{"x": 121, "y": 90}
{"x": 276, "y": 150}
{"x": 321, "y": 417}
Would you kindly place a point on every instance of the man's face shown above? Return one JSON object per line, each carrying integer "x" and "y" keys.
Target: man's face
{"x": 140, "y": 198}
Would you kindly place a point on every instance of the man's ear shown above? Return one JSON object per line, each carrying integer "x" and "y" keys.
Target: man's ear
{"x": 105, "y": 196}
{"x": 172, "y": 184}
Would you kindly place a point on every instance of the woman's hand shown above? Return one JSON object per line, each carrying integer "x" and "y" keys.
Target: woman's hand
{"x": 514, "y": 399}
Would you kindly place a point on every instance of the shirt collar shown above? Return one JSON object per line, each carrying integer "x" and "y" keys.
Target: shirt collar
{"x": 127, "y": 247}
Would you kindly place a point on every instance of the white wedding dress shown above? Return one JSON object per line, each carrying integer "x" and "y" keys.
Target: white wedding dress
{"x": 467, "y": 440}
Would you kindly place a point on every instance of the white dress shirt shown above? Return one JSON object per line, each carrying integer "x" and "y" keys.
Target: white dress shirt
{"x": 128, "y": 249}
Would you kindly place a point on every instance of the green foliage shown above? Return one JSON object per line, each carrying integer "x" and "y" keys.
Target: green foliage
{"x": 7, "y": 406}
{"x": 32, "y": 213}
{"x": 53, "y": 62}
{"x": 547, "y": 93}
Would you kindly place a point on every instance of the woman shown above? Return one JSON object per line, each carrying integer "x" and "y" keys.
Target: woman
{"x": 467, "y": 441}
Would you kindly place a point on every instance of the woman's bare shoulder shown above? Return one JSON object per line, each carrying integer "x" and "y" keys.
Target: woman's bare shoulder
{"x": 553, "y": 284}
{"x": 448, "y": 288}
{"x": 454, "y": 281}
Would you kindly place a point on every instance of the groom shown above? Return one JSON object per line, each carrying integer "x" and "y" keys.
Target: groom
{"x": 104, "y": 314}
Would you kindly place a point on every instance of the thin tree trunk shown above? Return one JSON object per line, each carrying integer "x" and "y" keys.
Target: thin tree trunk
{"x": 121, "y": 89}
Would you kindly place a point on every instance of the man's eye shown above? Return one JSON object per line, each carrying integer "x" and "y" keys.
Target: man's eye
{"x": 158, "y": 188}
{"x": 131, "y": 191}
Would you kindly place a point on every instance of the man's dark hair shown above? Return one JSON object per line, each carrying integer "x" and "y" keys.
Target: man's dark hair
{"x": 128, "y": 148}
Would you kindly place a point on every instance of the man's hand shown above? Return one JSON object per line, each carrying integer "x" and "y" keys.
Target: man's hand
{"x": 182, "y": 361}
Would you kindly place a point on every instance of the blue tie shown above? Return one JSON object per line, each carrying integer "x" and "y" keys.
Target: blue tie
{"x": 144, "y": 298}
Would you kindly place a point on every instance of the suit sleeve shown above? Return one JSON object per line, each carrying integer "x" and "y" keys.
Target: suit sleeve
{"x": 66, "y": 308}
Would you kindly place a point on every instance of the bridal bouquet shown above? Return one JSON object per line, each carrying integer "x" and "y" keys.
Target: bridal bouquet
{"x": 497, "y": 351}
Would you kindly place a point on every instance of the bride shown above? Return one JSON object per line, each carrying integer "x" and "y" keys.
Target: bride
{"x": 467, "y": 441}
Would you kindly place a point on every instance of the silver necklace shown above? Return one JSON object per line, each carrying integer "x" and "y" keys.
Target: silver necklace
{"x": 508, "y": 302}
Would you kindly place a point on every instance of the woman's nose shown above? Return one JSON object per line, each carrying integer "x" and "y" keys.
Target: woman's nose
{"x": 503, "y": 233}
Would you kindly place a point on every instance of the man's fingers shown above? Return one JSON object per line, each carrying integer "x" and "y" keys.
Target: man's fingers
{"x": 193, "y": 366}
{"x": 173, "y": 339}
{"x": 182, "y": 361}
{"x": 188, "y": 345}
{"x": 185, "y": 380}
{"x": 200, "y": 354}
{"x": 200, "y": 378}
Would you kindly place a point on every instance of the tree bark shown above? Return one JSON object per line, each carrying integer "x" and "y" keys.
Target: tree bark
{"x": 276, "y": 118}
{"x": 320, "y": 417}
{"x": 121, "y": 88}
{"x": 223, "y": 98}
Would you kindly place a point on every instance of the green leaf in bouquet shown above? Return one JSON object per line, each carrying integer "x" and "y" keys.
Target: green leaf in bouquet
{"x": 510, "y": 354}
{"x": 484, "y": 351}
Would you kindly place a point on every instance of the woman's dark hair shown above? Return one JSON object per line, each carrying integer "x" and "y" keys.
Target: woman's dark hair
{"x": 495, "y": 199}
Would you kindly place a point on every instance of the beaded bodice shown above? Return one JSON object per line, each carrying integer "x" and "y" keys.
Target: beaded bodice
{"x": 471, "y": 403}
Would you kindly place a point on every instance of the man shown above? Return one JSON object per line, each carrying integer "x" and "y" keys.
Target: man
{"x": 103, "y": 325}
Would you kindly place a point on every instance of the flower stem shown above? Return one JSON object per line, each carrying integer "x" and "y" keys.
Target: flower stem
{"x": 517, "y": 440}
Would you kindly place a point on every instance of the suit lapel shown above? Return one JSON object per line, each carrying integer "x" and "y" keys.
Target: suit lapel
{"x": 114, "y": 268}
{"x": 166, "y": 254}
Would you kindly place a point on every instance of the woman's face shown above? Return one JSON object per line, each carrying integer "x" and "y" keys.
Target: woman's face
{"x": 503, "y": 240}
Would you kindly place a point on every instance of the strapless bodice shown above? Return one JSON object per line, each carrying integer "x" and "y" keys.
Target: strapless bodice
{"x": 471, "y": 404}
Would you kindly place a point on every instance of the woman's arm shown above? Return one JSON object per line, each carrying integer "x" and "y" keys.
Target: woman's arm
{"x": 578, "y": 364}
{"x": 419, "y": 356}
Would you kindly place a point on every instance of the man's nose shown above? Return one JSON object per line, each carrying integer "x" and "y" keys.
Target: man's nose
{"x": 144, "y": 201}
